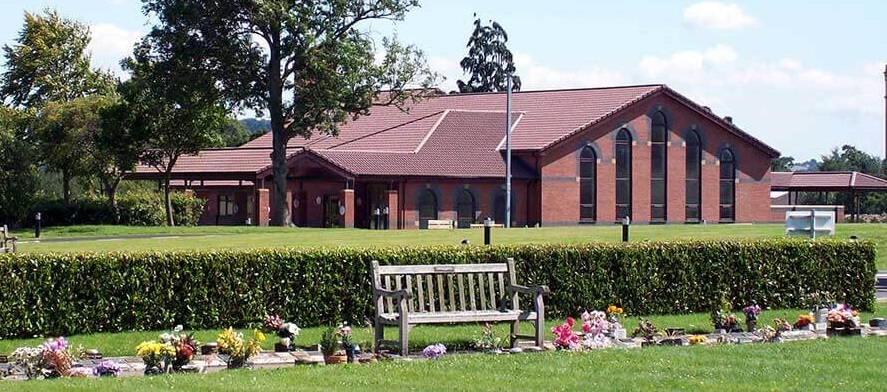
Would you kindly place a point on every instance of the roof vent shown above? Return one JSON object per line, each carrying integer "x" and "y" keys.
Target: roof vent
{"x": 728, "y": 119}
{"x": 707, "y": 109}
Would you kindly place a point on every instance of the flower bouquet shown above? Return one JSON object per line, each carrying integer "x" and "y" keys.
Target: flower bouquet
{"x": 597, "y": 328}
{"x": 751, "y": 316}
{"x": 235, "y": 350}
{"x": 565, "y": 337}
{"x": 804, "y": 321}
{"x": 434, "y": 351}
{"x": 107, "y": 368}
{"x": 48, "y": 360}
{"x": 329, "y": 346}
{"x": 184, "y": 344}
{"x": 843, "y": 320}
{"x": 286, "y": 331}
{"x": 157, "y": 356}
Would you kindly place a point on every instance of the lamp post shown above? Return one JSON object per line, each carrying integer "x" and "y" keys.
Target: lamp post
{"x": 385, "y": 213}
{"x": 488, "y": 225}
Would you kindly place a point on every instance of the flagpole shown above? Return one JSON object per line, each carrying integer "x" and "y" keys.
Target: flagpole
{"x": 508, "y": 155}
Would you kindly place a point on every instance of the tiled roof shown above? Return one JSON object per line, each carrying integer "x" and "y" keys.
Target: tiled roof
{"x": 550, "y": 116}
{"x": 229, "y": 160}
{"x": 459, "y": 135}
{"x": 826, "y": 181}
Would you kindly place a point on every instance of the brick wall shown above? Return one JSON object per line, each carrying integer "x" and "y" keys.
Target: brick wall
{"x": 559, "y": 168}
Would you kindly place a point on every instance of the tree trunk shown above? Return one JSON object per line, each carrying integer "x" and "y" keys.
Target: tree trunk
{"x": 66, "y": 187}
{"x": 110, "y": 187}
{"x": 280, "y": 212}
{"x": 167, "y": 200}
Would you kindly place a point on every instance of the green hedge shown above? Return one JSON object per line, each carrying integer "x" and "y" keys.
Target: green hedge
{"x": 83, "y": 293}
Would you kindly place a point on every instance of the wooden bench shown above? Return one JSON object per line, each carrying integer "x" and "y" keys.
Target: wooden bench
{"x": 7, "y": 242}
{"x": 440, "y": 224}
{"x": 408, "y": 295}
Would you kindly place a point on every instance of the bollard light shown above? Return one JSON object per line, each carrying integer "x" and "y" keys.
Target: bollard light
{"x": 625, "y": 223}
{"x": 39, "y": 218}
{"x": 488, "y": 225}
{"x": 385, "y": 212}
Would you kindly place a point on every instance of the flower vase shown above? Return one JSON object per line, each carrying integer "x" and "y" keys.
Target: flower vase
{"x": 152, "y": 370}
{"x": 349, "y": 355}
{"x": 751, "y": 324}
{"x": 236, "y": 363}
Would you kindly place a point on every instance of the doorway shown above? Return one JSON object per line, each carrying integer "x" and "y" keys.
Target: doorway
{"x": 331, "y": 211}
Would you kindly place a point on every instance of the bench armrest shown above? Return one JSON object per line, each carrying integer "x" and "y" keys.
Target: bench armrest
{"x": 529, "y": 290}
{"x": 396, "y": 294}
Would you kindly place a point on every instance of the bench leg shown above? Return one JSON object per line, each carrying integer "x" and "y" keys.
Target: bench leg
{"x": 404, "y": 337}
{"x": 514, "y": 331}
{"x": 380, "y": 335}
{"x": 540, "y": 321}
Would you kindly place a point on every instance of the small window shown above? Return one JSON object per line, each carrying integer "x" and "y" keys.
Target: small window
{"x": 623, "y": 174}
{"x": 227, "y": 205}
{"x": 728, "y": 186}
{"x": 658, "y": 136}
{"x": 587, "y": 184}
{"x": 694, "y": 177}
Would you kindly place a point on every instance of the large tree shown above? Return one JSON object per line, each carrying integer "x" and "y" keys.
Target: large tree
{"x": 782, "y": 164}
{"x": 18, "y": 168}
{"x": 169, "y": 108}
{"x": 306, "y": 62}
{"x": 849, "y": 158}
{"x": 489, "y": 62}
{"x": 49, "y": 62}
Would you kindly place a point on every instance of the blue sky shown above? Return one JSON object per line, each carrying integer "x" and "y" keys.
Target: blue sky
{"x": 803, "y": 76}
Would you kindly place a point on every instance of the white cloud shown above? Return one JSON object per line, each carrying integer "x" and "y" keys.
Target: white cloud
{"x": 715, "y": 15}
{"x": 790, "y": 64}
{"x": 765, "y": 74}
{"x": 110, "y": 44}
{"x": 721, "y": 54}
{"x": 688, "y": 65}
{"x": 536, "y": 76}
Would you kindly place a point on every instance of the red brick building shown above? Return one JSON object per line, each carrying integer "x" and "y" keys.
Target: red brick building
{"x": 579, "y": 156}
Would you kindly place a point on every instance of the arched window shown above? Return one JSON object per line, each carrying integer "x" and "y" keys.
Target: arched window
{"x": 623, "y": 174}
{"x": 499, "y": 207}
{"x": 658, "y": 153}
{"x": 465, "y": 209}
{"x": 728, "y": 185}
{"x": 427, "y": 208}
{"x": 693, "y": 165}
{"x": 587, "y": 184}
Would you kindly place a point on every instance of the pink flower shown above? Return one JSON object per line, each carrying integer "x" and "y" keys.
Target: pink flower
{"x": 570, "y": 322}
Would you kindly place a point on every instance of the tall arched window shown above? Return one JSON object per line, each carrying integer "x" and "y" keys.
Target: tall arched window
{"x": 427, "y": 208}
{"x": 623, "y": 174}
{"x": 499, "y": 207}
{"x": 728, "y": 185}
{"x": 587, "y": 184}
{"x": 694, "y": 177}
{"x": 464, "y": 209}
{"x": 658, "y": 152}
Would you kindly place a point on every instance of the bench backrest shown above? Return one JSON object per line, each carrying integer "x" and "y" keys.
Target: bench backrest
{"x": 448, "y": 287}
{"x": 4, "y": 232}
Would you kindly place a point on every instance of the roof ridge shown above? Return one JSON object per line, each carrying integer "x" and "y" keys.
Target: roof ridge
{"x": 513, "y": 127}
{"x": 554, "y": 90}
{"x": 385, "y": 130}
{"x": 440, "y": 119}
{"x": 485, "y": 111}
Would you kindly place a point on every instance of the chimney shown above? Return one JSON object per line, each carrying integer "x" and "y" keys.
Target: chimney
{"x": 728, "y": 119}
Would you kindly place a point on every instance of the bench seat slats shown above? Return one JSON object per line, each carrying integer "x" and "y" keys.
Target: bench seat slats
{"x": 459, "y": 317}
{"x": 441, "y": 269}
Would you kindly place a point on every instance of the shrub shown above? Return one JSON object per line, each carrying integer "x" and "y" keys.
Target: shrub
{"x": 52, "y": 294}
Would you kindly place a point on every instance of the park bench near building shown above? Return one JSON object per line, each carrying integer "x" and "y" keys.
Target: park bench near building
{"x": 409, "y": 295}
{"x": 440, "y": 224}
{"x": 7, "y": 242}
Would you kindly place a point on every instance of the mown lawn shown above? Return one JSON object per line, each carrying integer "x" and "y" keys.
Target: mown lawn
{"x": 95, "y": 238}
{"x": 842, "y": 363}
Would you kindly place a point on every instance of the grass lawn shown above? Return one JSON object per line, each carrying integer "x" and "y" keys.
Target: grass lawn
{"x": 90, "y": 238}
{"x": 839, "y": 363}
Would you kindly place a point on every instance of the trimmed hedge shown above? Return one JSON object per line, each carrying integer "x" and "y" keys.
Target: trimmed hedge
{"x": 49, "y": 294}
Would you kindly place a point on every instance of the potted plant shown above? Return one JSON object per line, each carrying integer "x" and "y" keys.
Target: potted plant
{"x": 347, "y": 341}
{"x": 647, "y": 331}
{"x": 185, "y": 345}
{"x": 235, "y": 350}
{"x": 329, "y": 347}
{"x": 488, "y": 341}
{"x": 286, "y": 331}
{"x": 843, "y": 320}
{"x": 804, "y": 322}
{"x": 157, "y": 356}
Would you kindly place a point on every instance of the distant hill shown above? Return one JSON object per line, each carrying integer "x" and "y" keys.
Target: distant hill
{"x": 256, "y": 126}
